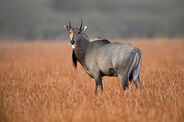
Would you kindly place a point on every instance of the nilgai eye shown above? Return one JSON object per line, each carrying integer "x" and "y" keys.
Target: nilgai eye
{"x": 78, "y": 32}
{"x": 70, "y": 32}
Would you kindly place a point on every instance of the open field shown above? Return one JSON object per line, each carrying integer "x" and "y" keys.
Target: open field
{"x": 39, "y": 84}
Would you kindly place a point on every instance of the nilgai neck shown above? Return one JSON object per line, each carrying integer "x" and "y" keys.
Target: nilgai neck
{"x": 81, "y": 49}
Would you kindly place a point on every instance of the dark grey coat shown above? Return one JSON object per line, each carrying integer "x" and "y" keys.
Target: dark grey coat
{"x": 104, "y": 58}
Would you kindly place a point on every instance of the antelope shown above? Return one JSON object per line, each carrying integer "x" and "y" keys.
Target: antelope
{"x": 104, "y": 58}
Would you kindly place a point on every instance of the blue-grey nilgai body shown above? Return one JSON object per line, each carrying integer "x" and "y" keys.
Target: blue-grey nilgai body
{"x": 104, "y": 58}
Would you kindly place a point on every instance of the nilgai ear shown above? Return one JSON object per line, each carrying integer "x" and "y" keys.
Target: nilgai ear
{"x": 84, "y": 28}
{"x": 67, "y": 28}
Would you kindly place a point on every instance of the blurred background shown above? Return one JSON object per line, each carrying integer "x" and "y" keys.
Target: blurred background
{"x": 44, "y": 19}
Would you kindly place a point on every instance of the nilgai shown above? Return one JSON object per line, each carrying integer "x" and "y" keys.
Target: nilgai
{"x": 104, "y": 58}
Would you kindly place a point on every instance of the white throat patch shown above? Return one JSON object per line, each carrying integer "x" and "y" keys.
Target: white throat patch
{"x": 91, "y": 39}
{"x": 94, "y": 39}
{"x": 73, "y": 46}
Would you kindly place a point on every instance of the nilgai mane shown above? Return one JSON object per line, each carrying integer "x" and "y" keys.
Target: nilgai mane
{"x": 104, "y": 58}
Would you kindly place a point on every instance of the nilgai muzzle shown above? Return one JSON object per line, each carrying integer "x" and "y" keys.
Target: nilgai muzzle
{"x": 104, "y": 58}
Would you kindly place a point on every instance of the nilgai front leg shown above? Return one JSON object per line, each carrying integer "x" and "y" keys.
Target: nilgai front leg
{"x": 98, "y": 80}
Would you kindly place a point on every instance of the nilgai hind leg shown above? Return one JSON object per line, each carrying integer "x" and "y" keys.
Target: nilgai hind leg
{"x": 124, "y": 80}
{"x": 137, "y": 83}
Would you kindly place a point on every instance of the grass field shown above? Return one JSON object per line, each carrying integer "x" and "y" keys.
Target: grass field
{"x": 38, "y": 83}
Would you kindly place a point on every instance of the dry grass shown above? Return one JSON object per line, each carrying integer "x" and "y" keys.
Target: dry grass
{"x": 39, "y": 84}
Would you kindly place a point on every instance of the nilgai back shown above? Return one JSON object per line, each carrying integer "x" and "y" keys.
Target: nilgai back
{"x": 104, "y": 58}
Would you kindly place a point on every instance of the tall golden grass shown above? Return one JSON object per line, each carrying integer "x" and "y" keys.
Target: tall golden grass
{"x": 39, "y": 84}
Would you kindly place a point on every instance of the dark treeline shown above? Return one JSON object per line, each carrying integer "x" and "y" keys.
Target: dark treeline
{"x": 44, "y": 19}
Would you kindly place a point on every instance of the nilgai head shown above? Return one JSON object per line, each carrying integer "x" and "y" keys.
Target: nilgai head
{"x": 75, "y": 32}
